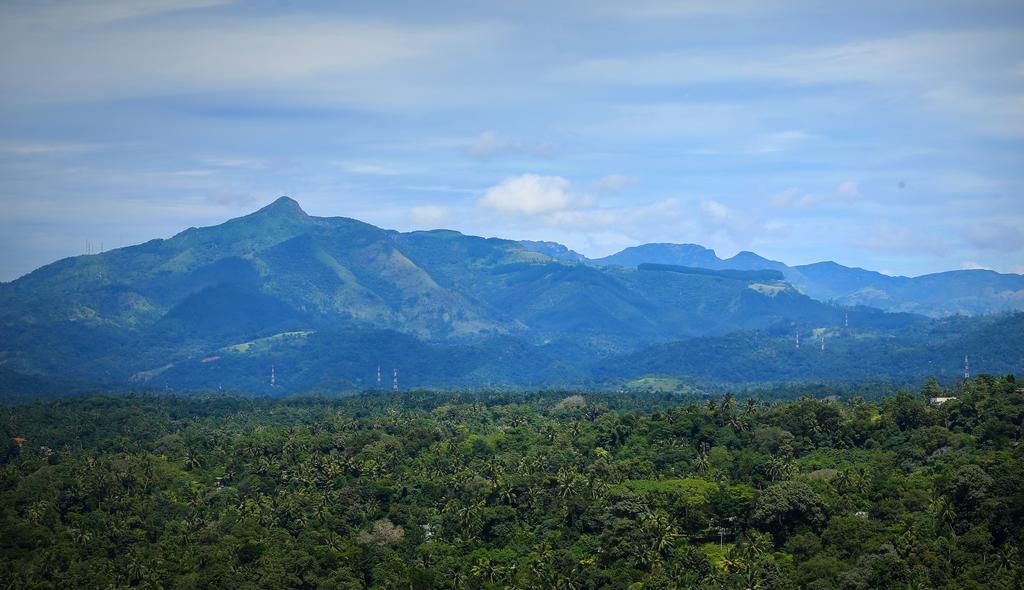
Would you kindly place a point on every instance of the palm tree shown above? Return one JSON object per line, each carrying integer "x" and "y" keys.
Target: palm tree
{"x": 1007, "y": 559}
{"x": 485, "y": 569}
{"x": 569, "y": 581}
{"x": 779, "y": 468}
{"x": 467, "y": 514}
{"x": 943, "y": 511}
{"x": 661, "y": 531}
{"x": 738, "y": 423}
{"x": 703, "y": 463}
{"x": 507, "y": 493}
{"x": 842, "y": 480}
{"x": 136, "y": 569}
{"x": 567, "y": 483}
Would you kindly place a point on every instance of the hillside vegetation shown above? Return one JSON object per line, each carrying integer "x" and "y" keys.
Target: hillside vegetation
{"x": 324, "y": 302}
{"x": 541, "y": 490}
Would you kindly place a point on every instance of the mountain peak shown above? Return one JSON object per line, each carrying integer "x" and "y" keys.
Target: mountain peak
{"x": 553, "y": 249}
{"x": 283, "y": 206}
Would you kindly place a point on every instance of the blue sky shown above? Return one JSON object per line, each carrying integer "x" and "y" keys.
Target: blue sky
{"x": 887, "y": 137}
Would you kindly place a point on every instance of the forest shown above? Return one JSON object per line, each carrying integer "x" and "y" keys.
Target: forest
{"x": 551, "y": 489}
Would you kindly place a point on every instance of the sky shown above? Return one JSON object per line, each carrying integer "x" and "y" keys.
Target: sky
{"x": 885, "y": 135}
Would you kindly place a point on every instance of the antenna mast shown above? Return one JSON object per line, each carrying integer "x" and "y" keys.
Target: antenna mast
{"x": 846, "y": 320}
{"x": 273, "y": 376}
{"x": 822, "y": 343}
{"x": 394, "y": 380}
{"x": 378, "y": 376}
{"x": 798, "y": 339}
{"x": 967, "y": 368}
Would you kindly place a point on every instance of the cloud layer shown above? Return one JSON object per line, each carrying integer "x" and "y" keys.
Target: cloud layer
{"x": 801, "y": 131}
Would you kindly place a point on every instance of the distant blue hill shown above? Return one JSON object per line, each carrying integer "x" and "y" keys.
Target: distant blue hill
{"x": 969, "y": 292}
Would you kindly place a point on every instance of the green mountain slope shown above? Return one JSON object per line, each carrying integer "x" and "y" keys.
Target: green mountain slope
{"x": 995, "y": 345}
{"x": 970, "y": 292}
{"x": 329, "y": 299}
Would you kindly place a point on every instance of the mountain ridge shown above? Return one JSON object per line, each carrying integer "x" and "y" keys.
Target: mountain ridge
{"x": 183, "y": 311}
{"x": 964, "y": 291}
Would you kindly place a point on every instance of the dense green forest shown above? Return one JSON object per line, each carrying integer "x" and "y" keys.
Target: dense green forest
{"x": 538, "y": 490}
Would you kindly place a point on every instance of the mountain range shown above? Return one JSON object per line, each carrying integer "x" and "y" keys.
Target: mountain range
{"x": 968, "y": 292}
{"x": 330, "y": 302}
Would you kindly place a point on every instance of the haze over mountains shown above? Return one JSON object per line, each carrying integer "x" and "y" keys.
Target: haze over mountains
{"x": 325, "y": 301}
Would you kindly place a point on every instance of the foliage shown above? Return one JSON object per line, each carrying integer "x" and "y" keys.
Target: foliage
{"x": 327, "y": 300}
{"x": 486, "y": 490}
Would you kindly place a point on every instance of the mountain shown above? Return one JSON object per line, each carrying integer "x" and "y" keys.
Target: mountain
{"x": 326, "y": 301}
{"x": 995, "y": 344}
{"x": 138, "y": 312}
{"x": 675, "y": 254}
{"x": 969, "y": 292}
{"x": 554, "y": 250}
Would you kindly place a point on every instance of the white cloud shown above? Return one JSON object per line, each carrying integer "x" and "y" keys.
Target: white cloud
{"x": 848, "y": 191}
{"x": 674, "y": 9}
{"x": 489, "y": 145}
{"x": 368, "y": 169}
{"x": 721, "y": 227}
{"x": 100, "y": 12}
{"x": 676, "y": 121}
{"x": 899, "y": 239}
{"x": 995, "y": 114}
{"x": 963, "y": 181}
{"x": 323, "y": 61}
{"x": 793, "y": 198}
{"x": 974, "y": 266}
{"x": 486, "y": 146}
{"x": 231, "y": 198}
{"x": 781, "y": 141}
{"x": 613, "y": 183}
{"x": 193, "y": 173}
{"x": 929, "y": 57}
{"x": 441, "y": 188}
{"x": 45, "y": 149}
{"x": 530, "y": 194}
{"x": 994, "y": 235}
{"x": 234, "y": 162}
{"x": 429, "y": 216}
{"x": 716, "y": 212}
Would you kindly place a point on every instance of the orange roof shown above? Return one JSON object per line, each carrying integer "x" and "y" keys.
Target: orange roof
{"x": 20, "y": 440}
